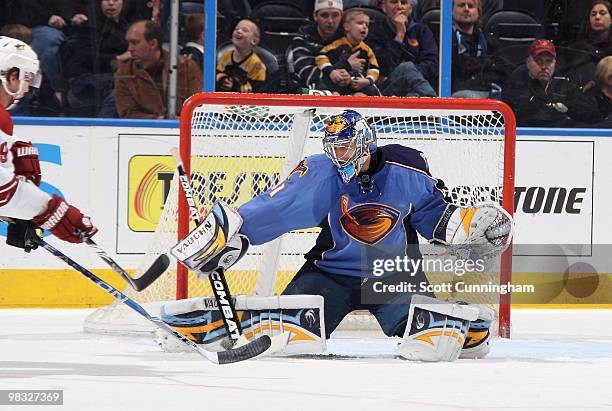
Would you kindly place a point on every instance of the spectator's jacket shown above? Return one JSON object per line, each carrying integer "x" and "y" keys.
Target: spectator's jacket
{"x": 249, "y": 75}
{"x": 138, "y": 95}
{"x": 335, "y": 56}
{"x": 419, "y": 47}
{"x": 305, "y": 46}
{"x": 534, "y": 102}
{"x": 469, "y": 60}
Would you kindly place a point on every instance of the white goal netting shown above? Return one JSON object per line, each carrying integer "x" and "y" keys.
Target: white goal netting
{"x": 238, "y": 151}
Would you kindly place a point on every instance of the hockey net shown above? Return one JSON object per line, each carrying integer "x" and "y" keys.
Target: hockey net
{"x": 237, "y": 146}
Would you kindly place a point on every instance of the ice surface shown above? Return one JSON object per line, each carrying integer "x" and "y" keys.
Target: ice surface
{"x": 557, "y": 359}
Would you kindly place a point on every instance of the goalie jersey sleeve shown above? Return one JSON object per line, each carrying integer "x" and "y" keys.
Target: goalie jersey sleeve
{"x": 301, "y": 201}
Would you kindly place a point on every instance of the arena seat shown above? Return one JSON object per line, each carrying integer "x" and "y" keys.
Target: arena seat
{"x": 279, "y": 22}
{"x": 510, "y": 33}
{"x": 431, "y": 18}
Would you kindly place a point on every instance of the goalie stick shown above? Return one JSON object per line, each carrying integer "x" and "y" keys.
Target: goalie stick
{"x": 218, "y": 283}
{"x": 244, "y": 352}
{"x": 159, "y": 266}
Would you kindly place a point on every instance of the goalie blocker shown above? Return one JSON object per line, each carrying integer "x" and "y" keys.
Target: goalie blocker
{"x": 214, "y": 244}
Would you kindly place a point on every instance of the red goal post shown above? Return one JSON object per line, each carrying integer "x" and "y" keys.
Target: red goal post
{"x": 434, "y": 114}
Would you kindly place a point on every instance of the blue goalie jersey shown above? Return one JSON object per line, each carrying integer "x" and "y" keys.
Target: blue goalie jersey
{"x": 371, "y": 217}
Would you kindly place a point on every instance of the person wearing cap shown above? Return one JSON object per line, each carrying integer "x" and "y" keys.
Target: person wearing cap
{"x": 538, "y": 98}
{"x": 311, "y": 38}
{"x": 406, "y": 50}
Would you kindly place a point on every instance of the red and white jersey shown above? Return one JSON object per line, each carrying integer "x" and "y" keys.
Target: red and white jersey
{"x": 18, "y": 198}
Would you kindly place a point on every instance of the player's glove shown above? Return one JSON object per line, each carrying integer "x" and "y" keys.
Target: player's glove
{"x": 66, "y": 222}
{"x": 25, "y": 161}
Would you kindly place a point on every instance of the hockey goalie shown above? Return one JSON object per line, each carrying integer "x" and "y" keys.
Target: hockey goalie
{"x": 370, "y": 203}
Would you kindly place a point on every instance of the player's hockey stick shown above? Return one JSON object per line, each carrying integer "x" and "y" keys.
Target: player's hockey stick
{"x": 244, "y": 352}
{"x": 159, "y": 266}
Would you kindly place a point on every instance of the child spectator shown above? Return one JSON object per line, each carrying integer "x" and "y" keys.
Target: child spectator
{"x": 239, "y": 69}
{"x": 194, "y": 48}
{"x": 349, "y": 65}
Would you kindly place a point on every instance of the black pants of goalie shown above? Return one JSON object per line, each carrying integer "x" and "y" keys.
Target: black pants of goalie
{"x": 343, "y": 294}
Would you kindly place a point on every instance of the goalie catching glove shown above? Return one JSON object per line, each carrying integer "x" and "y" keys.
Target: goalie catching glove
{"x": 215, "y": 243}
{"x": 479, "y": 232}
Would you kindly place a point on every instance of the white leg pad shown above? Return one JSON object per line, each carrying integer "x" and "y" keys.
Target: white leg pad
{"x": 199, "y": 319}
{"x": 436, "y": 329}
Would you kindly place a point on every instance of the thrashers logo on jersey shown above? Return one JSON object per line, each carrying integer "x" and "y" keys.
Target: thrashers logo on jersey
{"x": 301, "y": 168}
{"x": 369, "y": 222}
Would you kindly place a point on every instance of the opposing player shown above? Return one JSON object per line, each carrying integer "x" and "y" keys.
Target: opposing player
{"x": 20, "y": 197}
{"x": 370, "y": 203}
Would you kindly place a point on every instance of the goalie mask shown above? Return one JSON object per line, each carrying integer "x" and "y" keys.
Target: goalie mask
{"x": 348, "y": 142}
{"x": 17, "y": 56}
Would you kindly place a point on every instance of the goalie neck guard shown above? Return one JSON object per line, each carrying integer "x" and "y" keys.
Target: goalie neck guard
{"x": 348, "y": 142}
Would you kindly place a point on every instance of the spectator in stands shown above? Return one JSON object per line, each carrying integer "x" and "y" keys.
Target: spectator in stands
{"x": 141, "y": 83}
{"x": 17, "y": 31}
{"x": 601, "y": 91}
{"x": 91, "y": 55}
{"x": 540, "y": 99}
{"x": 593, "y": 43}
{"x": 47, "y": 19}
{"x": 194, "y": 48}
{"x": 239, "y": 69}
{"x": 469, "y": 51}
{"x": 488, "y": 7}
{"x": 312, "y": 38}
{"x": 349, "y": 65}
{"x": 406, "y": 50}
